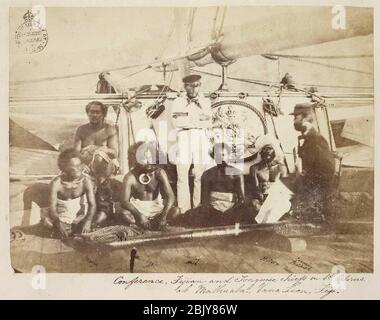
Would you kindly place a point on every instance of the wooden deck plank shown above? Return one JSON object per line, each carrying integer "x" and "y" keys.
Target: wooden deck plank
{"x": 223, "y": 267}
{"x": 152, "y": 257}
{"x": 343, "y": 250}
{"x": 208, "y": 260}
{"x": 254, "y": 254}
{"x": 219, "y": 249}
{"x": 50, "y": 255}
{"x": 26, "y": 255}
{"x": 236, "y": 254}
{"x": 244, "y": 266}
{"x": 162, "y": 259}
{"x": 185, "y": 256}
{"x": 201, "y": 259}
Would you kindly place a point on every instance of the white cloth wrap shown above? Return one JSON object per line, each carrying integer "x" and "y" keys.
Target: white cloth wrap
{"x": 276, "y": 204}
{"x": 222, "y": 201}
{"x": 149, "y": 208}
{"x": 68, "y": 210}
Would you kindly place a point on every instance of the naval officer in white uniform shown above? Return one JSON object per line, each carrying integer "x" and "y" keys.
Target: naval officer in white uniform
{"x": 191, "y": 116}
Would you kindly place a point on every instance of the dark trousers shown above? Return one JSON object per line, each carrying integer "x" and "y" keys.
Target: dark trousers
{"x": 312, "y": 198}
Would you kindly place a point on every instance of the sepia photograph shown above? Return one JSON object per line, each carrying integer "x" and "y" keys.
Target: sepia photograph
{"x": 185, "y": 139}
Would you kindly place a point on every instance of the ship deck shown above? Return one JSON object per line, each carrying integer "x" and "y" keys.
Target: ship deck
{"x": 249, "y": 252}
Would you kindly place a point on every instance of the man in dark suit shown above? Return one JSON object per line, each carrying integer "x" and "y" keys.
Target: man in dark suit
{"x": 318, "y": 164}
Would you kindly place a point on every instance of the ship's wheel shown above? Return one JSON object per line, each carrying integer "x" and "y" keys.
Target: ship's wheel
{"x": 238, "y": 124}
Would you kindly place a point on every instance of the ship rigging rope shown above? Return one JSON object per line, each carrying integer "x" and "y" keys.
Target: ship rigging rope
{"x": 133, "y": 73}
{"x": 165, "y": 88}
{"x": 217, "y": 30}
{"x": 276, "y": 84}
{"x": 213, "y": 32}
{"x": 171, "y": 30}
{"x": 159, "y": 62}
{"x": 191, "y": 24}
{"x": 75, "y": 75}
{"x": 331, "y": 66}
{"x": 259, "y": 82}
{"x": 318, "y": 57}
{"x": 222, "y": 23}
{"x": 166, "y": 44}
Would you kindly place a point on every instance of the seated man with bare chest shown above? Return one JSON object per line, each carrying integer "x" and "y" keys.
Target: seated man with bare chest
{"x": 264, "y": 173}
{"x": 222, "y": 195}
{"x": 97, "y": 134}
{"x": 146, "y": 192}
{"x": 72, "y": 199}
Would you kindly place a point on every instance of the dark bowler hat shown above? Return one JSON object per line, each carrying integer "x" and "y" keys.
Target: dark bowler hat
{"x": 302, "y": 108}
{"x": 191, "y": 78}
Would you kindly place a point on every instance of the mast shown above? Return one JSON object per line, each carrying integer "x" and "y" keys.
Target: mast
{"x": 181, "y": 20}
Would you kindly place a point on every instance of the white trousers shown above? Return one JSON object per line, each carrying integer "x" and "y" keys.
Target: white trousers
{"x": 193, "y": 148}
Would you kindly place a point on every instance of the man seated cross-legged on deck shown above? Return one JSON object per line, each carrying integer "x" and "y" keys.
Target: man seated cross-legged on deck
{"x": 146, "y": 193}
{"x": 222, "y": 195}
{"x": 70, "y": 193}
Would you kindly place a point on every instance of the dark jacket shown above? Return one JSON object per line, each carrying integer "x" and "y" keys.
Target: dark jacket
{"x": 318, "y": 163}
